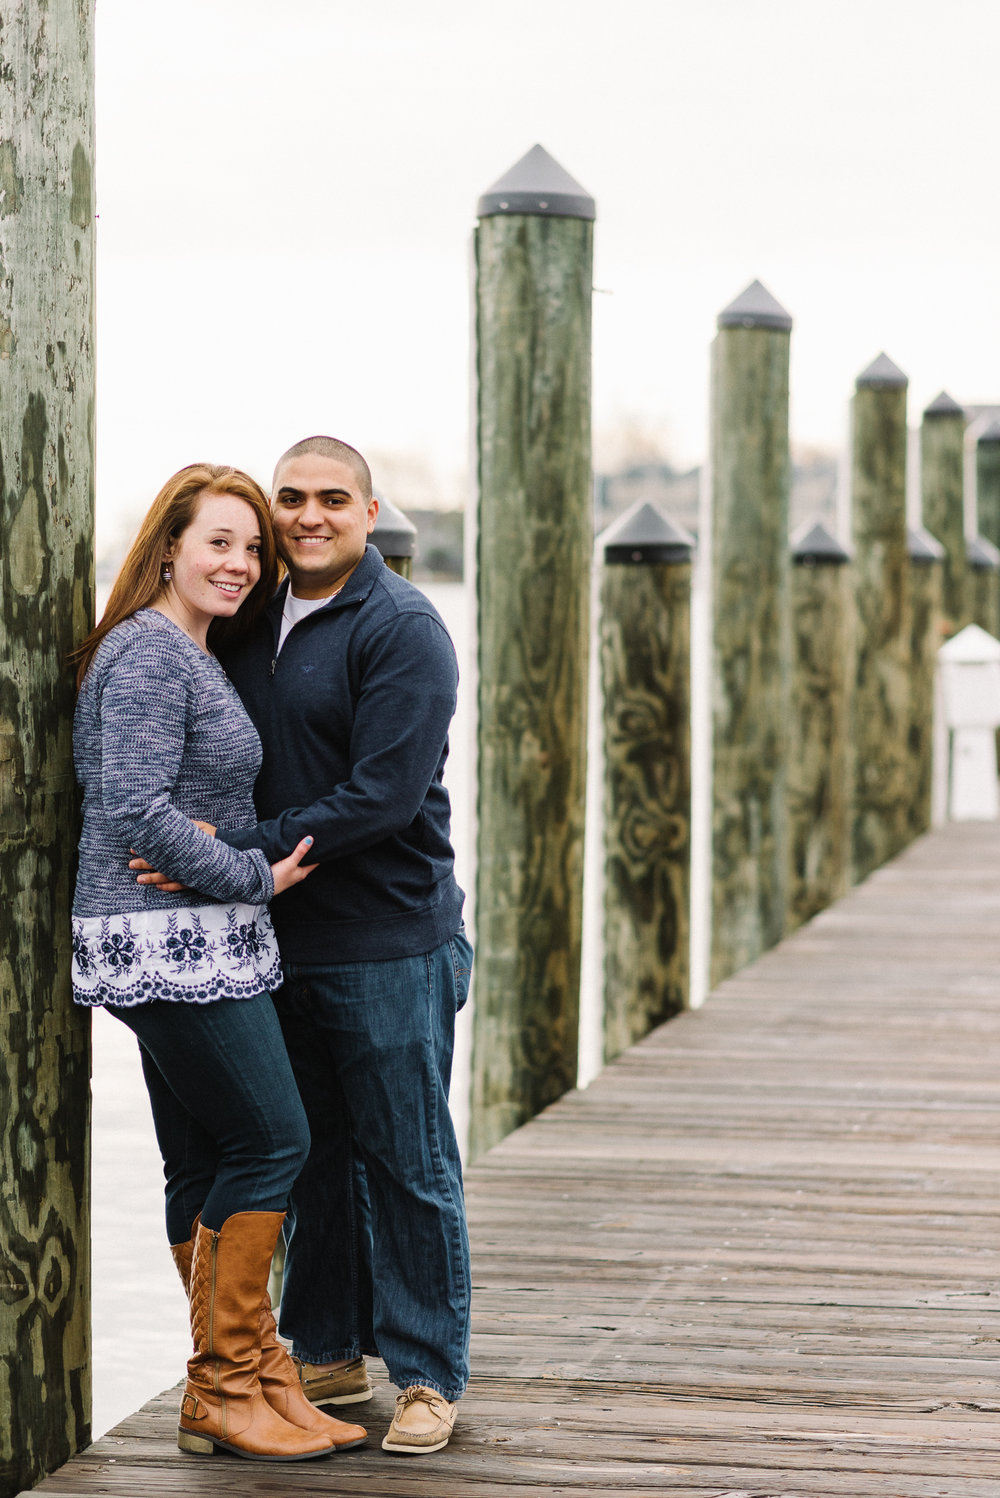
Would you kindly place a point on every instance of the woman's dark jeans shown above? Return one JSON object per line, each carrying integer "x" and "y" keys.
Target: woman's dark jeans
{"x": 229, "y": 1121}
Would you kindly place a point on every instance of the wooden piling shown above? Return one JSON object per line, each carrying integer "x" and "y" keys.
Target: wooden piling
{"x": 818, "y": 841}
{"x": 395, "y": 537}
{"x": 881, "y": 706}
{"x": 984, "y": 585}
{"x": 988, "y": 483}
{"x": 751, "y": 648}
{"x": 46, "y": 606}
{"x": 942, "y": 461}
{"x": 927, "y": 557}
{"x": 534, "y": 257}
{"x": 646, "y": 682}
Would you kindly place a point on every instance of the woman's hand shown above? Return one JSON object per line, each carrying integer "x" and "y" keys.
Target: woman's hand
{"x": 291, "y": 870}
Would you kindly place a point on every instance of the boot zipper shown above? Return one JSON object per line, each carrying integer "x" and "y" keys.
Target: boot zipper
{"x": 216, "y": 1362}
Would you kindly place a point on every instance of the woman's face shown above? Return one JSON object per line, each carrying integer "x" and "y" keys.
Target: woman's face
{"x": 216, "y": 561}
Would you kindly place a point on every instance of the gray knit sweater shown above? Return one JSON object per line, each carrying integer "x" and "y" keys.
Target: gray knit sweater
{"x": 161, "y": 737}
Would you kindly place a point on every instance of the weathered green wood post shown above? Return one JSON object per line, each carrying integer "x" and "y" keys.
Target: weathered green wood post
{"x": 395, "y": 537}
{"x": 881, "y": 711}
{"x": 751, "y": 646}
{"x": 46, "y": 606}
{"x": 984, "y": 585}
{"x": 646, "y": 682}
{"x": 534, "y": 258}
{"x": 927, "y": 557}
{"x": 988, "y": 483}
{"x": 819, "y": 860}
{"x": 942, "y": 496}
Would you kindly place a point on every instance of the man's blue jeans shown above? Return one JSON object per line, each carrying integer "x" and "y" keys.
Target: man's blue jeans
{"x": 371, "y": 1047}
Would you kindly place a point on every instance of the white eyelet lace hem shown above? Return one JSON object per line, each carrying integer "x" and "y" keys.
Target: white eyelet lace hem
{"x": 187, "y": 955}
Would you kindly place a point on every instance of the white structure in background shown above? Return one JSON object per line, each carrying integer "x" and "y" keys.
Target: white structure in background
{"x": 969, "y": 677}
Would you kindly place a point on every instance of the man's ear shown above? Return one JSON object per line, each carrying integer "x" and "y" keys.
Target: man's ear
{"x": 372, "y": 513}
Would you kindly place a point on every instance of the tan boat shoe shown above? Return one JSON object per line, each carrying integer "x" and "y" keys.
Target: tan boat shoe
{"x": 347, "y": 1385}
{"x": 423, "y": 1422}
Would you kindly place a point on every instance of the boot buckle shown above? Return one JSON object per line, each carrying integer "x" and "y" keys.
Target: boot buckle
{"x": 192, "y": 1408}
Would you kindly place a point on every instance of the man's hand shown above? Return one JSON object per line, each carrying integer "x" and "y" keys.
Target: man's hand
{"x": 149, "y": 875}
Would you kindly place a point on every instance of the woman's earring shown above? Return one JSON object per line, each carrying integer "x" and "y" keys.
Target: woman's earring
{"x": 166, "y": 574}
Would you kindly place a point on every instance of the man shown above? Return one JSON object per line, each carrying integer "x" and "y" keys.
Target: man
{"x": 350, "y": 679}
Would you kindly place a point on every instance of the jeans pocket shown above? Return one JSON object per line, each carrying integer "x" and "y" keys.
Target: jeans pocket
{"x": 461, "y": 956}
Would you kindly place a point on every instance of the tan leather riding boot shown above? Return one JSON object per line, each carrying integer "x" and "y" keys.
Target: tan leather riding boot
{"x": 223, "y": 1407}
{"x": 279, "y": 1379}
{"x": 183, "y": 1254}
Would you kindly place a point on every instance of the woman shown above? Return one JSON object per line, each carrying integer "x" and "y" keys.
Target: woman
{"x": 160, "y": 736}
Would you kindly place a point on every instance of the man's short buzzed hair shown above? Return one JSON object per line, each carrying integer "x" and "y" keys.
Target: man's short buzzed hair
{"x": 330, "y": 447}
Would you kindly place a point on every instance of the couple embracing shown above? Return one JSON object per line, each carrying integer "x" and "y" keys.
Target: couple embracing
{"x": 264, "y": 813}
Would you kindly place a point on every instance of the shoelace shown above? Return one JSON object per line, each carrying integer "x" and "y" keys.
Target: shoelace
{"x": 416, "y": 1395}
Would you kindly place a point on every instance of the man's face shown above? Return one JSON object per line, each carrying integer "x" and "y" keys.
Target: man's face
{"x": 321, "y": 523}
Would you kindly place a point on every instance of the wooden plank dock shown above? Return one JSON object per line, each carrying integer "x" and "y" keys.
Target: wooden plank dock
{"x": 759, "y": 1257}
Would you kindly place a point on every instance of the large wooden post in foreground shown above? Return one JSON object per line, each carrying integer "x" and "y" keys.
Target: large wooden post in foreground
{"x": 46, "y": 603}
{"x": 942, "y": 496}
{"x": 881, "y": 712}
{"x": 534, "y": 258}
{"x": 750, "y": 645}
{"x": 646, "y": 680}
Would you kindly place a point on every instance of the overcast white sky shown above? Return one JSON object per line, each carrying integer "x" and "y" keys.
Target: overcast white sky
{"x": 287, "y": 194}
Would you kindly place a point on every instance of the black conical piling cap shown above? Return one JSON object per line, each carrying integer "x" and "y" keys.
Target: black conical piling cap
{"x": 537, "y": 184}
{"x": 644, "y": 534}
{"x": 943, "y": 405}
{"x": 814, "y": 545}
{"x": 394, "y": 535}
{"x": 881, "y": 374}
{"x": 991, "y": 434}
{"x": 755, "y": 308}
{"x": 921, "y": 547}
{"x": 982, "y": 555}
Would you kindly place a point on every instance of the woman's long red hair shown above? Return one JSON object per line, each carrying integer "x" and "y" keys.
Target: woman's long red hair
{"x": 139, "y": 583}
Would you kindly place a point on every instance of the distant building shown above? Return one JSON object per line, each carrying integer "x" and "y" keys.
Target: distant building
{"x": 440, "y": 554}
{"x": 813, "y": 492}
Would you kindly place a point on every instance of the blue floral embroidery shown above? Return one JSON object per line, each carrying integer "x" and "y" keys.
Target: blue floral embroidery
{"x": 242, "y": 939}
{"x": 187, "y": 947}
{"x": 118, "y": 948}
{"x": 82, "y": 955}
{"x": 182, "y": 955}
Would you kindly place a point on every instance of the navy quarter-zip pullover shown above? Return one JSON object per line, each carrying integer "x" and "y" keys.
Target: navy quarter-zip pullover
{"x": 353, "y": 717}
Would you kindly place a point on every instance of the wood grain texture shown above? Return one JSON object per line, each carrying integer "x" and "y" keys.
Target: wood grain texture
{"x": 535, "y": 536}
{"x": 46, "y": 605}
{"x": 757, "y": 1256}
{"x": 646, "y": 681}
{"x": 983, "y": 594}
{"x": 988, "y": 490}
{"x": 942, "y": 498}
{"x": 751, "y": 647}
{"x": 881, "y": 570}
{"x": 926, "y": 638}
{"x": 818, "y": 821}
